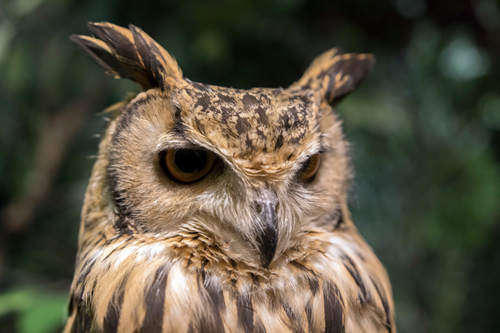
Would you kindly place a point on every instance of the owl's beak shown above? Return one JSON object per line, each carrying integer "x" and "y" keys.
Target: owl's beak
{"x": 267, "y": 235}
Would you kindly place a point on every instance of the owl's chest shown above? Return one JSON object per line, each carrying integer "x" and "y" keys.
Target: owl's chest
{"x": 143, "y": 288}
{"x": 325, "y": 291}
{"x": 293, "y": 298}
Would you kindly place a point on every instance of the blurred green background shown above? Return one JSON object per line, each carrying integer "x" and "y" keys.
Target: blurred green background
{"x": 425, "y": 133}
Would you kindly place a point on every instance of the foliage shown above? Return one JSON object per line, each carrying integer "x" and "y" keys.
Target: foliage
{"x": 39, "y": 311}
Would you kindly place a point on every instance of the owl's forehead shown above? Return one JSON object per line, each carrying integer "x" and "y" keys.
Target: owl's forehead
{"x": 250, "y": 124}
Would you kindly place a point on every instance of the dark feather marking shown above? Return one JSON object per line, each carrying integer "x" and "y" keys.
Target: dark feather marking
{"x": 387, "y": 311}
{"x": 126, "y": 242}
{"x": 203, "y": 101}
{"x": 113, "y": 312}
{"x": 216, "y": 301}
{"x": 71, "y": 304}
{"x": 159, "y": 72}
{"x": 81, "y": 284}
{"x": 312, "y": 280}
{"x": 262, "y": 115}
{"x": 147, "y": 52}
{"x": 293, "y": 322}
{"x": 214, "y": 306}
{"x": 83, "y": 320}
{"x": 353, "y": 270}
{"x": 309, "y": 315}
{"x": 245, "y": 312}
{"x": 107, "y": 240}
{"x": 129, "y": 113}
{"x": 189, "y": 259}
{"x": 216, "y": 295}
{"x": 226, "y": 98}
{"x": 279, "y": 142}
{"x": 200, "y": 86}
{"x": 259, "y": 327}
{"x": 285, "y": 121}
{"x": 118, "y": 196}
{"x": 300, "y": 266}
{"x": 87, "y": 267}
{"x": 120, "y": 43}
{"x": 274, "y": 300}
{"x": 155, "y": 301}
{"x": 114, "y": 63}
{"x": 340, "y": 220}
{"x": 361, "y": 256}
{"x": 199, "y": 126}
{"x": 225, "y": 113}
{"x": 255, "y": 278}
{"x": 249, "y": 142}
{"x": 249, "y": 101}
{"x": 313, "y": 285}
{"x": 179, "y": 126}
{"x": 242, "y": 126}
{"x": 355, "y": 69}
{"x": 334, "y": 312}
{"x": 337, "y": 217}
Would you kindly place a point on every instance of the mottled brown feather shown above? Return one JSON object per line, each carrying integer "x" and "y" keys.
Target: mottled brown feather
{"x": 129, "y": 53}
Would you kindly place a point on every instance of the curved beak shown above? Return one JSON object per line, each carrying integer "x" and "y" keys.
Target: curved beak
{"x": 267, "y": 235}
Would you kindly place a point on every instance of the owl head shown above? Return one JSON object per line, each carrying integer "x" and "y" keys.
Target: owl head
{"x": 252, "y": 170}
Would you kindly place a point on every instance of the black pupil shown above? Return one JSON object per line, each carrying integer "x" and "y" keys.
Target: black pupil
{"x": 306, "y": 166}
{"x": 190, "y": 161}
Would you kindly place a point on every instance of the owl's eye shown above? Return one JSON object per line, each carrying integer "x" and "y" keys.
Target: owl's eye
{"x": 310, "y": 168}
{"x": 186, "y": 165}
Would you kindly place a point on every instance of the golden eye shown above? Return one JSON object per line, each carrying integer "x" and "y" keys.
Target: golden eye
{"x": 186, "y": 165}
{"x": 310, "y": 168}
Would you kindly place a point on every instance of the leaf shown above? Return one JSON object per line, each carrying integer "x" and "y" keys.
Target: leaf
{"x": 39, "y": 311}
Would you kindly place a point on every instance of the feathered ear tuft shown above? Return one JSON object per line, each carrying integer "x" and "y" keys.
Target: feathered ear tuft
{"x": 335, "y": 74}
{"x": 129, "y": 53}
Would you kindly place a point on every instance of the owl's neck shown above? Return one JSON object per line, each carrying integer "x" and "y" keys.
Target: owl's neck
{"x": 195, "y": 252}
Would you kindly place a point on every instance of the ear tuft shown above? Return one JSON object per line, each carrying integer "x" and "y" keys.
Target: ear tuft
{"x": 335, "y": 74}
{"x": 129, "y": 53}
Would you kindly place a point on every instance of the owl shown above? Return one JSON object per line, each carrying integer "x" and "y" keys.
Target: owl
{"x": 215, "y": 209}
